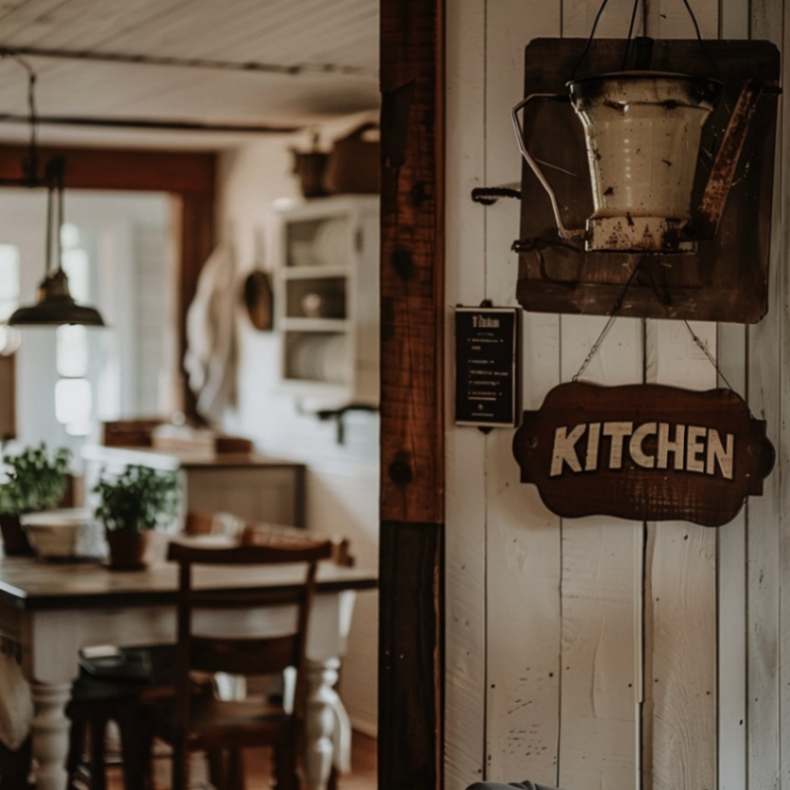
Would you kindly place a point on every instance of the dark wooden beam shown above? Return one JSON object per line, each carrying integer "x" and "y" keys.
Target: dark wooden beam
{"x": 410, "y": 627}
{"x": 188, "y": 176}
{"x": 146, "y": 170}
{"x": 412, "y": 400}
{"x": 196, "y": 240}
{"x": 412, "y": 262}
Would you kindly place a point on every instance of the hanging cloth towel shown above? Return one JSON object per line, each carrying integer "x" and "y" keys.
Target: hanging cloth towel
{"x": 212, "y": 347}
{"x": 16, "y": 703}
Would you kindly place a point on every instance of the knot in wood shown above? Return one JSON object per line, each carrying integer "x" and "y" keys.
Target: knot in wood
{"x": 400, "y": 470}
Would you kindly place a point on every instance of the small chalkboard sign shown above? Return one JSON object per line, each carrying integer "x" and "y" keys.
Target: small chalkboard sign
{"x": 487, "y": 379}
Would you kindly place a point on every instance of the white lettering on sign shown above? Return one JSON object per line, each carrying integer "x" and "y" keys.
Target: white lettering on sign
{"x": 636, "y": 445}
{"x": 667, "y": 445}
{"x": 694, "y": 448}
{"x": 484, "y": 322}
{"x": 617, "y": 431}
{"x": 565, "y": 449}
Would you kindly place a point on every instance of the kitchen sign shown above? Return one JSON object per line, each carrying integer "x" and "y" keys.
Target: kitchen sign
{"x": 487, "y": 382}
{"x": 646, "y": 452}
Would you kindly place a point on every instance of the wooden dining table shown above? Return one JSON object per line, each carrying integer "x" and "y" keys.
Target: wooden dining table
{"x": 49, "y": 611}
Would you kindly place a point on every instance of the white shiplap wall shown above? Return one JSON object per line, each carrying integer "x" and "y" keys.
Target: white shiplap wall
{"x": 599, "y": 654}
{"x": 342, "y": 480}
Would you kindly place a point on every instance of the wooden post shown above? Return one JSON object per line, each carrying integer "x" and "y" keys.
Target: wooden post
{"x": 412, "y": 414}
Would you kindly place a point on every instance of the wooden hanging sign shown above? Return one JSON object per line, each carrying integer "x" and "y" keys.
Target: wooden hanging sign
{"x": 646, "y": 452}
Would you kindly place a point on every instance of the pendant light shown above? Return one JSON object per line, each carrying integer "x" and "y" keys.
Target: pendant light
{"x": 54, "y": 303}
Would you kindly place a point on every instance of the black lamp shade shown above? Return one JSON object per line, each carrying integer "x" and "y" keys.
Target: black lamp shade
{"x": 55, "y": 306}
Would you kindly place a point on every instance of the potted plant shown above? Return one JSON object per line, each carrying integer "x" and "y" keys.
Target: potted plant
{"x": 131, "y": 506}
{"x": 36, "y": 480}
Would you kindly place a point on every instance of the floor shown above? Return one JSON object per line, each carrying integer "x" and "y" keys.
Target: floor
{"x": 362, "y": 776}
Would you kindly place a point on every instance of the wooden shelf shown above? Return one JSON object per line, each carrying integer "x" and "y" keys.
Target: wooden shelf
{"x": 338, "y": 325}
{"x": 314, "y": 272}
{"x": 347, "y": 284}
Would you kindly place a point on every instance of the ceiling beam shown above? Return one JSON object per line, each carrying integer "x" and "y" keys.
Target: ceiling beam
{"x": 147, "y": 170}
{"x": 150, "y": 124}
{"x": 139, "y": 59}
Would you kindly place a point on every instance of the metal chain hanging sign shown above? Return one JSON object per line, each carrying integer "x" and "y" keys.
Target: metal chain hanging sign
{"x": 647, "y": 452}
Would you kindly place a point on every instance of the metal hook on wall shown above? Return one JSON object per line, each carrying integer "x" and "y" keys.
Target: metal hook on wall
{"x": 338, "y": 415}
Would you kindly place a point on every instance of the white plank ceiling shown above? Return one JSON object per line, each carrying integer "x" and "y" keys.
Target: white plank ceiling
{"x": 343, "y": 33}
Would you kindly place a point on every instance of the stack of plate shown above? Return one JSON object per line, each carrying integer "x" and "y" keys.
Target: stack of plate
{"x": 319, "y": 358}
{"x": 331, "y": 243}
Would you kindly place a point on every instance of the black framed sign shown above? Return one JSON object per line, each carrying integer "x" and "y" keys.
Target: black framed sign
{"x": 487, "y": 366}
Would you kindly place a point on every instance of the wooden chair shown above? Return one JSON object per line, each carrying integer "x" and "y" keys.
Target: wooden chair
{"x": 227, "y": 727}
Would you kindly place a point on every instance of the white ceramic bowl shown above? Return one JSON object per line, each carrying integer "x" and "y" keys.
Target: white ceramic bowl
{"x": 59, "y": 534}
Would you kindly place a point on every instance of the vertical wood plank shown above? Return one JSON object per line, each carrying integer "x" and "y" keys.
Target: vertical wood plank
{"x": 410, "y": 627}
{"x": 464, "y": 447}
{"x": 765, "y": 519}
{"x": 731, "y": 583}
{"x": 196, "y": 214}
{"x": 411, "y": 603}
{"x": 782, "y": 195}
{"x": 731, "y": 346}
{"x": 679, "y": 742}
{"x": 412, "y": 261}
{"x": 601, "y": 588}
{"x": 523, "y": 546}
{"x": 601, "y": 582}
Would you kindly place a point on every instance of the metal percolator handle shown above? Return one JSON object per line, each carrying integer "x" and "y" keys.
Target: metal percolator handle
{"x": 568, "y": 234}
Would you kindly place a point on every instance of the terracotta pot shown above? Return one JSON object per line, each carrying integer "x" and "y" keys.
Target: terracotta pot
{"x": 128, "y": 549}
{"x": 15, "y": 542}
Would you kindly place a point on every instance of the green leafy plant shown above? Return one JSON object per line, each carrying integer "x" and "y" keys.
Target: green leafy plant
{"x": 37, "y": 480}
{"x": 138, "y": 499}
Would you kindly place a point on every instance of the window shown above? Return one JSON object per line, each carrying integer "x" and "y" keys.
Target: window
{"x": 73, "y": 391}
{"x": 74, "y": 405}
{"x": 9, "y": 296}
{"x": 72, "y": 352}
{"x": 9, "y": 280}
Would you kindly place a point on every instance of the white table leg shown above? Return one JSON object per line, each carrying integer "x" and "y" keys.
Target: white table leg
{"x": 51, "y": 734}
{"x": 320, "y": 721}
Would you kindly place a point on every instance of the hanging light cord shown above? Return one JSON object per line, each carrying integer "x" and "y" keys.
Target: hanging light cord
{"x": 48, "y": 256}
{"x": 30, "y": 164}
{"x": 60, "y": 190}
{"x": 54, "y": 177}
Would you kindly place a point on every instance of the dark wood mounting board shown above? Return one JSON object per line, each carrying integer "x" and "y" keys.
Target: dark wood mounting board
{"x": 727, "y": 278}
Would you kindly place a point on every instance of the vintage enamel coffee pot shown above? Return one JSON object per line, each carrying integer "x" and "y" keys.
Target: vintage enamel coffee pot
{"x": 642, "y": 131}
